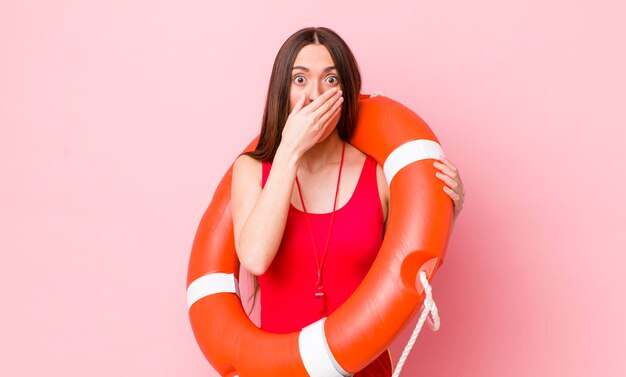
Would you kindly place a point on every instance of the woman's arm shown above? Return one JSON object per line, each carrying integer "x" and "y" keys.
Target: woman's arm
{"x": 260, "y": 215}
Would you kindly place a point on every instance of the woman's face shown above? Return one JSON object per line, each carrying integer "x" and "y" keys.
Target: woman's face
{"x": 313, "y": 73}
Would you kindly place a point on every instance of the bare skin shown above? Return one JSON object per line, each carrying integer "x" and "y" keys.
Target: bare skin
{"x": 311, "y": 149}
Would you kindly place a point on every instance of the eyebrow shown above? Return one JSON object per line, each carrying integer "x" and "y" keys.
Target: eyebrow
{"x": 308, "y": 70}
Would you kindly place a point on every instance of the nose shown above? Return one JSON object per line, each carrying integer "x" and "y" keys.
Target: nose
{"x": 314, "y": 92}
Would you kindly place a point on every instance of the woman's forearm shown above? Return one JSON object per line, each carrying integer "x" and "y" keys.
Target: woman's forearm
{"x": 263, "y": 230}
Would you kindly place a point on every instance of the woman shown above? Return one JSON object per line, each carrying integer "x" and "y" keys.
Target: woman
{"x": 309, "y": 209}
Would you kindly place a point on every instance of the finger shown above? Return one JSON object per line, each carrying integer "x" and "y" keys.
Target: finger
{"x": 327, "y": 107}
{"x": 327, "y": 122}
{"x": 448, "y": 180}
{"x": 321, "y": 100}
{"x": 298, "y": 106}
{"x": 456, "y": 198}
{"x": 449, "y": 164}
{"x": 447, "y": 170}
{"x": 329, "y": 115}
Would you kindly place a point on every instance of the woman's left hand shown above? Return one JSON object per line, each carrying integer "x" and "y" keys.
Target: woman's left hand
{"x": 450, "y": 175}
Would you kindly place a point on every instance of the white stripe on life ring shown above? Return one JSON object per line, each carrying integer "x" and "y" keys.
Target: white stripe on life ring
{"x": 408, "y": 153}
{"x": 210, "y": 284}
{"x": 315, "y": 353}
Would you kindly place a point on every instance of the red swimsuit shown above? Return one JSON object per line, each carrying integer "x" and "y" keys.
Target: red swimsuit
{"x": 288, "y": 300}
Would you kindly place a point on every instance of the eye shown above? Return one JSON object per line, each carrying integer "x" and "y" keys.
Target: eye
{"x": 299, "y": 79}
{"x": 333, "y": 80}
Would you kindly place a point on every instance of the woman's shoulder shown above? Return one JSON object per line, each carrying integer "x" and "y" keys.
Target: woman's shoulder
{"x": 244, "y": 162}
{"x": 247, "y": 169}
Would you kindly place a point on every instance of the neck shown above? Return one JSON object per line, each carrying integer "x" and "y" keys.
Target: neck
{"x": 323, "y": 153}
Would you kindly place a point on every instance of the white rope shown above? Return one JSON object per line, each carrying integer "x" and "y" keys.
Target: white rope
{"x": 428, "y": 307}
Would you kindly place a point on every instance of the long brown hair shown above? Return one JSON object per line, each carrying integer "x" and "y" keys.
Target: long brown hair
{"x": 277, "y": 101}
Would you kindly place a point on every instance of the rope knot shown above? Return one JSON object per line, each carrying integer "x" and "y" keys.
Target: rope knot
{"x": 429, "y": 307}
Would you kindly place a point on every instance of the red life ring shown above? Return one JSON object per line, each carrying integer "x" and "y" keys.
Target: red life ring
{"x": 419, "y": 223}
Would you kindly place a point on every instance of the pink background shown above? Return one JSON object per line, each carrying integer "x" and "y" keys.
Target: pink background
{"x": 119, "y": 118}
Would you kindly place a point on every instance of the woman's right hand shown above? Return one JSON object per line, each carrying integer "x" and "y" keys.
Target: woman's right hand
{"x": 306, "y": 125}
{"x": 260, "y": 214}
